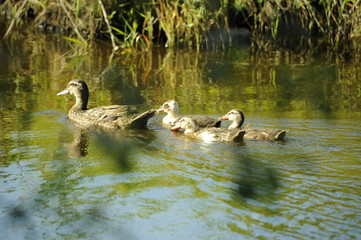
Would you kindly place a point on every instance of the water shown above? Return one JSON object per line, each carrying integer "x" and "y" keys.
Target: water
{"x": 62, "y": 182}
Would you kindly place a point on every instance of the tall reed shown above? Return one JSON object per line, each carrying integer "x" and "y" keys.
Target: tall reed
{"x": 338, "y": 23}
{"x": 138, "y": 24}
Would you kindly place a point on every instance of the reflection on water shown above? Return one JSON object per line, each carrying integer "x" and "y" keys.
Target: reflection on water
{"x": 61, "y": 181}
{"x": 78, "y": 146}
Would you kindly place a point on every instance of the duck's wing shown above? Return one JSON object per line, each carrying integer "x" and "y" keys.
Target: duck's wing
{"x": 113, "y": 110}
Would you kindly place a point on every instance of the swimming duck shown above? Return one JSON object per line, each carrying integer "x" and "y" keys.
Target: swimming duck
{"x": 171, "y": 107}
{"x": 110, "y": 117}
{"x": 237, "y": 118}
{"x": 212, "y": 134}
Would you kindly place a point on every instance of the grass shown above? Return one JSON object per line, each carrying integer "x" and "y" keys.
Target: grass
{"x": 139, "y": 24}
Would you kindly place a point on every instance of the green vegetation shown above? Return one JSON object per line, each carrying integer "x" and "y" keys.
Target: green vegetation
{"x": 194, "y": 23}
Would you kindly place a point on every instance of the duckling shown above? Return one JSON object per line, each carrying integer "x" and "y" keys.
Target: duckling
{"x": 171, "y": 107}
{"x": 109, "y": 117}
{"x": 237, "y": 118}
{"x": 212, "y": 134}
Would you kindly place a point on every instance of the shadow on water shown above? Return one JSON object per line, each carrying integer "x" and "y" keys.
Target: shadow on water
{"x": 255, "y": 180}
{"x": 255, "y": 177}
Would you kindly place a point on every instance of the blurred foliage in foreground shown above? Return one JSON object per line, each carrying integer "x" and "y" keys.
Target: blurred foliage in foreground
{"x": 194, "y": 23}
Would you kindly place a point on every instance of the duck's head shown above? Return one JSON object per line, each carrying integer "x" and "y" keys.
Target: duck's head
{"x": 75, "y": 87}
{"x": 186, "y": 123}
{"x": 170, "y": 106}
{"x": 79, "y": 89}
{"x": 236, "y": 116}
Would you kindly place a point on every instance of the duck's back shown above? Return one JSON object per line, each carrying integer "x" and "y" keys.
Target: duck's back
{"x": 221, "y": 135}
{"x": 206, "y": 122}
{"x": 265, "y": 134}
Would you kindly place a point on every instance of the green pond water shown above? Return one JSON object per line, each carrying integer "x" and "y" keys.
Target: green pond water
{"x": 58, "y": 181}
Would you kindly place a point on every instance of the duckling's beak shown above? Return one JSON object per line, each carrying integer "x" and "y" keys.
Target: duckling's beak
{"x": 175, "y": 128}
{"x": 63, "y": 92}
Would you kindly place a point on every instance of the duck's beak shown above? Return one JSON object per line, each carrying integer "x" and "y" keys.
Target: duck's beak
{"x": 223, "y": 118}
{"x": 63, "y": 92}
{"x": 175, "y": 128}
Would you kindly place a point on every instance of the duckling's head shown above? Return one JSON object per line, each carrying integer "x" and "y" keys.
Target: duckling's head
{"x": 79, "y": 89}
{"x": 170, "y": 106}
{"x": 236, "y": 116}
{"x": 186, "y": 123}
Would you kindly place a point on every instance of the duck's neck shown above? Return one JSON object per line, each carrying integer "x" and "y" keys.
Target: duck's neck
{"x": 81, "y": 102}
{"x": 170, "y": 118}
{"x": 172, "y": 115}
{"x": 237, "y": 123}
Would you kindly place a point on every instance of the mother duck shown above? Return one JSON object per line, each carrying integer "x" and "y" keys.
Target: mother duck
{"x": 109, "y": 117}
{"x": 237, "y": 118}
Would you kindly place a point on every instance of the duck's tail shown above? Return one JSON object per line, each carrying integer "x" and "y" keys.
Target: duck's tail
{"x": 218, "y": 124}
{"x": 141, "y": 121}
{"x": 281, "y": 135}
{"x": 238, "y": 137}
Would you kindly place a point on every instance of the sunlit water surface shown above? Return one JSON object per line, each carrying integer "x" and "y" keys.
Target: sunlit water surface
{"x": 62, "y": 182}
